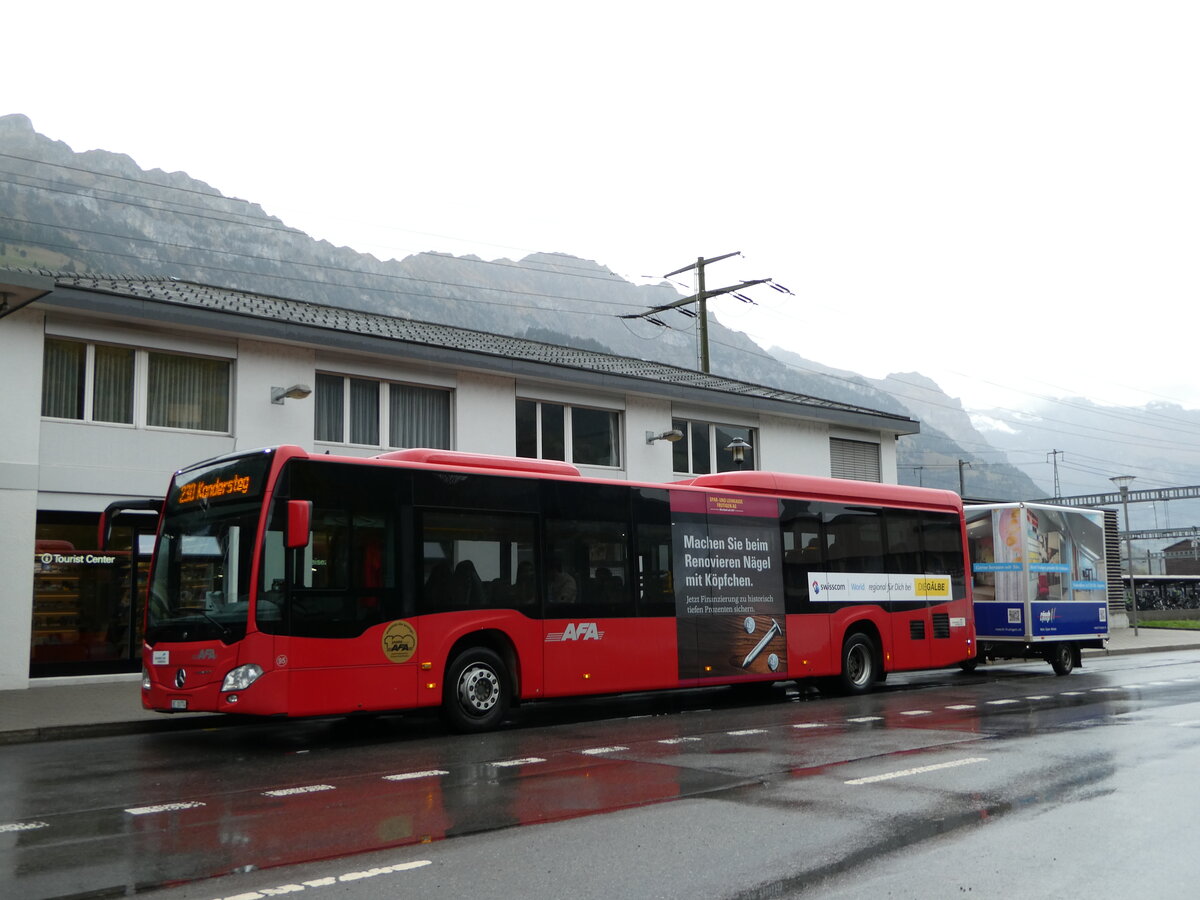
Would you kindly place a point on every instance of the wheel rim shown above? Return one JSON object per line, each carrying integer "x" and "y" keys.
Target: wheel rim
{"x": 858, "y": 664}
{"x": 478, "y": 689}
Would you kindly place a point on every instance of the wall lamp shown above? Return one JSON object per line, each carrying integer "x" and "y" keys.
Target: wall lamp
{"x": 295, "y": 392}
{"x": 673, "y": 435}
{"x": 738, "y": 448}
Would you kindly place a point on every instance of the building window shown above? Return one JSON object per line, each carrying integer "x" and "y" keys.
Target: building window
{"x": 579, "y": 434}
{"x": 359, "y": 411}
{"x": 855, "y": 460}
{"x": 187, "y": 392}
{"x": 96, "y": 383}
{"x": 701, "y": 450}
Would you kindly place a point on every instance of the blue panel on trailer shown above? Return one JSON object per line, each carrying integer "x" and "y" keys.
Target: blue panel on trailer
{"x": 1069, "y": 619}
{"x": 996, "y": 619}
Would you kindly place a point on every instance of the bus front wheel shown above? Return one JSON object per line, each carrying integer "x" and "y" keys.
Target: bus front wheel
{"x": 477, "y": 690}
{"x": 860, "y": 664}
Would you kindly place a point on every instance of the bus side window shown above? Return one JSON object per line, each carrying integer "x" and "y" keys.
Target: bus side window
{"x": 472, "y": 560}
{"x": 801, "y": 552}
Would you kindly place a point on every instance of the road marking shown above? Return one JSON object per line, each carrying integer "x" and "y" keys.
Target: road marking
{"x": 1188, "y": 724}
{"x": 23, "y": 826}
{"x": 746, "y": 731}
{"x": 283, "y": 889}
{"x": 526, "y": 761}
{"x": 597, "y": 751}
{"x": 1160, "y": 683}
{"x": 916, "y": 712}
{"x": 678, "y": 740}
{"x": 1071, "y": 694}
{"x": 163, "y": 807}
{"x": 1038, "y": 697}
{"x": 866, "y": 719}
{"x": 1000, "y": 702}
{"x": 1106, "y": 690}
{"x": 920, "y": 770}
{"x": 811, "y": 725}
{"x": 962, "y": 706}
{"x": 307, "y": 789}
{"x": 408, "y": 776}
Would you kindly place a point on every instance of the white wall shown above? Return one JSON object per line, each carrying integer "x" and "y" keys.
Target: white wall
{"x": 257, "y": 421}
{"x": 20, "y": 413}
{"x": 485, "y": 414}
{"x": 647, "y": 462}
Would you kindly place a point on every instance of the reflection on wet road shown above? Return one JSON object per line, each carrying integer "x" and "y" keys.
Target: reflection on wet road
{"x": 120, "y": 814}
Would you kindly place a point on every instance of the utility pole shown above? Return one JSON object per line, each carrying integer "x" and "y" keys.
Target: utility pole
{"x": 1054, "y": 455}
{"x": 701, "y": 299}
{"x": 962, "y": 464}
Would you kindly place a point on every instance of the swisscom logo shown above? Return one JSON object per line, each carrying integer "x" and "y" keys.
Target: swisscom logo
{"x": 816, "y": 586}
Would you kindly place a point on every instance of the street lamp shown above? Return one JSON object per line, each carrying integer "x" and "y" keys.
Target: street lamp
{"x": 1123, "y": 482}
{"x": 738, "y": 448}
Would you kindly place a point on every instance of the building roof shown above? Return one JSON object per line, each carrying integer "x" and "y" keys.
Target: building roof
{"x": 171, "y": 301}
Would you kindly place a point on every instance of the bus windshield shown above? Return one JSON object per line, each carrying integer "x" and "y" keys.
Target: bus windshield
{"x": 200, "y": 587}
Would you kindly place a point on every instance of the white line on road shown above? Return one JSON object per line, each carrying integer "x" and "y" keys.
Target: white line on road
{"x": 746, "y": 731}
{"x": 163, "y": 807}
{"x": 678, "y": 740}
{"x": 307, "y": 789}
{"x": 23, "y": 826}
{"x": 1038, "y": 697}
{"x": 916, "y": 712}
{"x": 962, "y": 706}
{"x": 409, "y": 776}
{"x": 866, "y": 719}
{"x": 1000, "y": 702}
{"x": 283, "y": 889}
{"x": 920, "y": 770}
{"x": 811, "y": 725}
{"x": 597, "y": 751}
{"x": 507, "y": 763}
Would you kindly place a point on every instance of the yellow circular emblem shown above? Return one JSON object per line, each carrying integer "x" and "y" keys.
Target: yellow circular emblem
{"x": 399, "y": 641}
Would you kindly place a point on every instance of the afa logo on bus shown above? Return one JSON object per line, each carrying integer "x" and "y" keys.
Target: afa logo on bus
{"x": 584, "y": 631}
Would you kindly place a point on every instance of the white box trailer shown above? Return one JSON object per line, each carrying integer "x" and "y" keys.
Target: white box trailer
{"x": 1038, "y": 581}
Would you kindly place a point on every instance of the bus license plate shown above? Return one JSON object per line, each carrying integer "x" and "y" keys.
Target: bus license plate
{"x": 179, "y": 703}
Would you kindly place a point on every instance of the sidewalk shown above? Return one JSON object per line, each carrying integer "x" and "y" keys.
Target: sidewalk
{"x": 62, "y": 708}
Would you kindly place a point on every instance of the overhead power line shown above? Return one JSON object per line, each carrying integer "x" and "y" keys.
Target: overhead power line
{"x": 701, "y": 299}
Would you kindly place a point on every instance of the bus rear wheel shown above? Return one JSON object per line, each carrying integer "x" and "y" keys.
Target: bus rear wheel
{"x": 477, "y": 691}
{"x": 860, "y": 664}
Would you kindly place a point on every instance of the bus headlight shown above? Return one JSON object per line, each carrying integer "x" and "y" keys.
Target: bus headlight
{"x": 242, "y": 677}
{"x": 145, "y": 679}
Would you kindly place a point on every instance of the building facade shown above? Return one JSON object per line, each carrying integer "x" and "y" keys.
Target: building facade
{"x": 111, "y": 384}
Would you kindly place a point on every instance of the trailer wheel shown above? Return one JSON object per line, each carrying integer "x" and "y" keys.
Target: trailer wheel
{"x": 476, "y": 692}
{"x": 1062, "y": 658}
{"x": 860, "y": 664}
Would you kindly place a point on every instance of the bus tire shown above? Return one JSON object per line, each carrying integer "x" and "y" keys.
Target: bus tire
{"x": 969, "y": 665}
{"x": 477, "y": 691}
{"x": 860, "y": 664}
{"x": 1062, "y": 658}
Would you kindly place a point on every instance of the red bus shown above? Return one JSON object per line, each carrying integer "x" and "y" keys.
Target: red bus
{"x": 286, "y": 583}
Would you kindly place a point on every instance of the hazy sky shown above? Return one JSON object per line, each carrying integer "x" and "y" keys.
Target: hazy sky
{"x": 998, "y": 195}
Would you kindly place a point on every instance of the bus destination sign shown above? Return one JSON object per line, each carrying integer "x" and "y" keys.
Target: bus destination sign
{"x": 212, "y": 490}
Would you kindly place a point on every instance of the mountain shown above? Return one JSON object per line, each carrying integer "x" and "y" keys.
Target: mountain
{"x": 100, "y": 212}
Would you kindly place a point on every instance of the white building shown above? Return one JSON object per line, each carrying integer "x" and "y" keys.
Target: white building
{"x": 111, "y": 384}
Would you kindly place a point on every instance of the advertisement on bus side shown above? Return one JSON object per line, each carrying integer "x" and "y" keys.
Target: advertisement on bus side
{"x": 728, "y": 586}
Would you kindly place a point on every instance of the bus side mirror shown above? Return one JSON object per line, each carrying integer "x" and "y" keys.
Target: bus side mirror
{"x": 299, "y": 523}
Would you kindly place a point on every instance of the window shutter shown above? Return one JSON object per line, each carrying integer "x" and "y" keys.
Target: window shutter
{"x": 855, "y": 460}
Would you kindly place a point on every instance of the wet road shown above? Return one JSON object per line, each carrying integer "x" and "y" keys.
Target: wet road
{"x": 1009, "y": 782}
